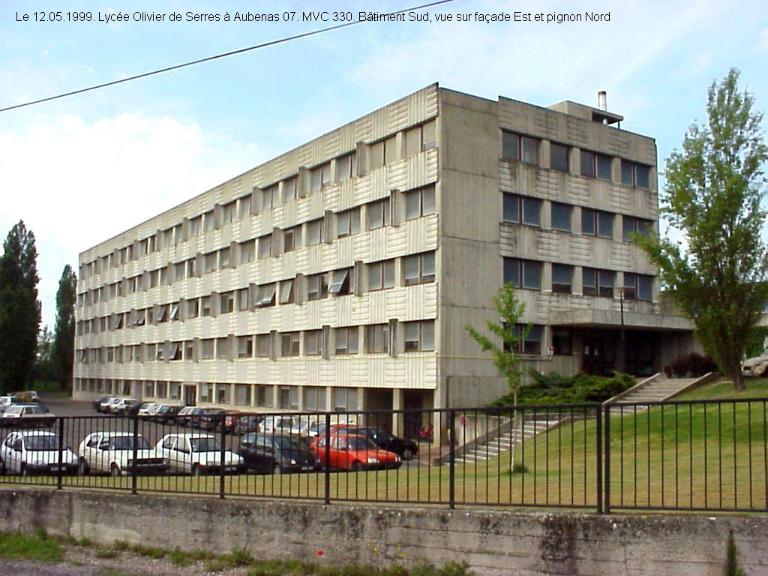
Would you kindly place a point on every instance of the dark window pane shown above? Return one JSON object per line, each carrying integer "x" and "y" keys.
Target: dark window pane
{"x": 589, "y": 281}
{"x": 587, "y": 164}
{"x": 627, "y": 173}
{"x": 530, "y": 150}
{"x": 630, "y": 284}
{"x": 628, "y": 226}
{"x": 531, "y": 275}
{"x": 532, "y": 211}
{"x": 642, "y": 176}
{"x": 588, "y": 221}
{"x": 510, "y": 146}
{"x": 644, "y": 287}
{"x": 605, "y": 224}
{"x": 604, "y": 164}
{"x": 511, "y": 208}
{"x": 561, "y": 216}
{"x": 644, "y": 227}
{"x": 558, "y": 157}
{"x": 562, "y": 275}
{"x": 606, "y": 281}
{"x": 561, "y": 342}
{"x": 512, "y": 271}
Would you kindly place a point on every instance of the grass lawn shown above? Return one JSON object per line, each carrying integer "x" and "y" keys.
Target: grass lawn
{"x": 679, "y": 455}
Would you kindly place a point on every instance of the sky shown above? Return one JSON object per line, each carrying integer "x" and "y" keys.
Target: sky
{"x": 81, "y": 169}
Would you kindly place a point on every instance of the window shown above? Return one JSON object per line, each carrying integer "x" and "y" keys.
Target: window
{"x": 244, "y": 346}
{"x": 419, "y": 268}
{"x": 247, "y": 251}
{"x": 314, "y": 398}
{"x": 209, "y": 264}
{"x": 346, "y": 167}
{"x": 561, "y": 342}
{"x": 265, "y": 295}
{"x": 317, "y": 287}
{"x": 206, "y": 349}
{"x": 269, "y": 197}
{"x": 320, "y": 177}
{"x": 206, "y": 392}
{"x": 345, "y": 398}
{"x": 313, "y": 342}
{"x": 175, "y": 351}
{"x": 224, "y": 257}
{"x": 522, "y": 148}
{"x": 243, "y": 394}
{"x": 633, "y": 174}
{"x": 531, "y": 342}
{"x": 347, "y": 340}
{"x": 419, "y": 202}
{"x": 594, "y": 165}
{"x": 381, "y": 275}
{"x": 222, "y": 393}
{"x": 348, "y": 222}
{"x": 634, "y": 225}
{"x": 341, "y": 282}
{"x": 265, "y": 246}
{"x": 522, "y": 273}
{"x": 289, "y": 189}
{"x": 193, "y": 308}
{"x": 189, "y": 350}
{"x": 209, "y": 221}
{"x": 262, "y": 345}
{"x": 562, "y": 278}
{"x": 228, "y": 212}
{"x": 246, "y": 204}
{"x": 288, "y": 397}
{"x": 598, "y": 282}
{"x": 558, "y": 157}
{"x": 261, "y": 396}
{"x": 191, "y": 268}
{"x": 222, "y": 348}
{"x": 315, "y": 232}
{"x": 420, "y": 138}
{"x": 180, "y": 269}
{"x": 290, "y": 343}
{"x": 206, "y": 309}
{"x": 174, "y": 311}
{"x": 638, "y": 287}
{"x": 516, "y": 206}
{"x": 227, "y": 302}
{"x": 596, "y": 223}
{"x": 378, "y": 214}
{"x": 377, "y": 339}
{"x": 561, "y": 216}
{"x": 291, "y": 238}
{"x": 419, "y": 336}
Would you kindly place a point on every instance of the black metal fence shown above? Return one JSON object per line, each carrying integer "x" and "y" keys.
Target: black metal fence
{"x": 693, "y": 455}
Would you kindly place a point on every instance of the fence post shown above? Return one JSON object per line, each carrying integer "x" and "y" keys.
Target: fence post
{"x": 607, "y": 461}
{"x": 222, "y": 458}
{"x": 327, "y": 457}
{"x": 60, "y": 471}
{"x": 135, "y": 452}
{"x": 452, "y": 459}
{"x": 599, "y": 454}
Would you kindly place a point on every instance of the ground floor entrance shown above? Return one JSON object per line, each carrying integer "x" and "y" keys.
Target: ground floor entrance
{"x": 604, "y": 351}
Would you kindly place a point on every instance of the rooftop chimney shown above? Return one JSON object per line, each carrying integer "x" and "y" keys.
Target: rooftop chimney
{"x": 602, "y": 100}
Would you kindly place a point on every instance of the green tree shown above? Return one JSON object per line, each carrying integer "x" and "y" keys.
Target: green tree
{"x": 501, "y": 343}
{"x": 64, "y": 334}
{"x": 713, "y": 196}
{"x": 44, "y": 370}
{"x": 19, "y": 308}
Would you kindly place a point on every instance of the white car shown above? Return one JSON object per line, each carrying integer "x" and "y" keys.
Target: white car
{"x": 27, "y": 415}
{"x": 146, "y": 409}
{"x": 196, "y": 454}
{"x": 112, "y": 452}
{"x": 35, "y": 451}
{"x": 106, "y": 406}
{"x": 5, "y": 401}
{"x": 279, "y": 425}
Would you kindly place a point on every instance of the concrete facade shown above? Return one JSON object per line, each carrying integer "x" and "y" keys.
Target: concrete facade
{"x": 342, "y": 274}
{"x": 493, "y": 543}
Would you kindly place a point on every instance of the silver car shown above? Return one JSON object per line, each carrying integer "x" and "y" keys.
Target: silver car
{"x": 112, "y": 453}
{"x": 196, "y": 454}
{"x": 35, "y": 451}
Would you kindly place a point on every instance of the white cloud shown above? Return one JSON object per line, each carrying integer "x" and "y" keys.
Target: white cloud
{"x": 76, "y": 183}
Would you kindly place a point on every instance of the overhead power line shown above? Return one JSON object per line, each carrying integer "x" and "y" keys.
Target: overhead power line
{"x": 215, "y": 57}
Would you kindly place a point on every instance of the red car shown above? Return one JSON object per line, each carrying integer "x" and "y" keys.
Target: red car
{"x": 352, "y": 452}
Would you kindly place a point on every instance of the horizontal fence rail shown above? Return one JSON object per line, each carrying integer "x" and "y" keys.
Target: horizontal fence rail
{"x": 686, "y": 455}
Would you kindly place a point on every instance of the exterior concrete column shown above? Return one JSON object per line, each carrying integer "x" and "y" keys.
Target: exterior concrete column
{"x": 398, "y": 422}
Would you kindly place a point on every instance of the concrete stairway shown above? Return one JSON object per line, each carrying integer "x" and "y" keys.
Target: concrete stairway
{"x": 658, "y": 388}
{"x": 501, "y": 441}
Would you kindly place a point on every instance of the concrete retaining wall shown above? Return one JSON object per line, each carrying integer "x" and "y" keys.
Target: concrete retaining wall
{"x": 492, "y": 542}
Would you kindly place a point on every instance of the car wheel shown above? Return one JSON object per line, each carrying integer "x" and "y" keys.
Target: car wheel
{"x": 114, "y": 471}
{"x": 356, "y": 466}
{"x": 759, "y": 371}
{"x": 196, "y": 471}
{"x": 84, "y": 468}
{"x": 407, "y": 454}
{"x": 277, "y": 469}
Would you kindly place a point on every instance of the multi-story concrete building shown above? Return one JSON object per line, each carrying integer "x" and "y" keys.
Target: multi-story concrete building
{"x": 342, "y": 274}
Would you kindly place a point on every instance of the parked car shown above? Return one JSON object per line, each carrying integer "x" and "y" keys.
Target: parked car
{"x": 756, "y": 366}
{"x": 98, "y": 401}
{"x": 27, "y": 415}
{"x": 278, "y": 424}
{"x": 27, "y": 396}
{"x": 196, "y": 454}
{"x": 352, "y": 452}
{"x": 124, "y": 406}
{"x": 143, "y": 409}
{"x": 35, "y": 451}
{"x": 165, "y": 413}
{"x": 106, "y": 406}
{"x": 6, "y": 401}
{"x": 276, "y": 454}
{"x": 184, "y": 417}
{"x": 208, "y": 418}
{"x": 239, "y": 423}
{"x": 112, "y": 452}
{"x": 406, "y": 449}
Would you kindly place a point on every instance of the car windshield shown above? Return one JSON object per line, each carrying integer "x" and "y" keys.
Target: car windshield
{"x": 360, "y": 443}
{"x": 126, "y": 443}
{"x": 288, "y": 443}
{"x": 40, "y": 443}
{"x": 38, "y": 410}
{"x": 204, "y": 444}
